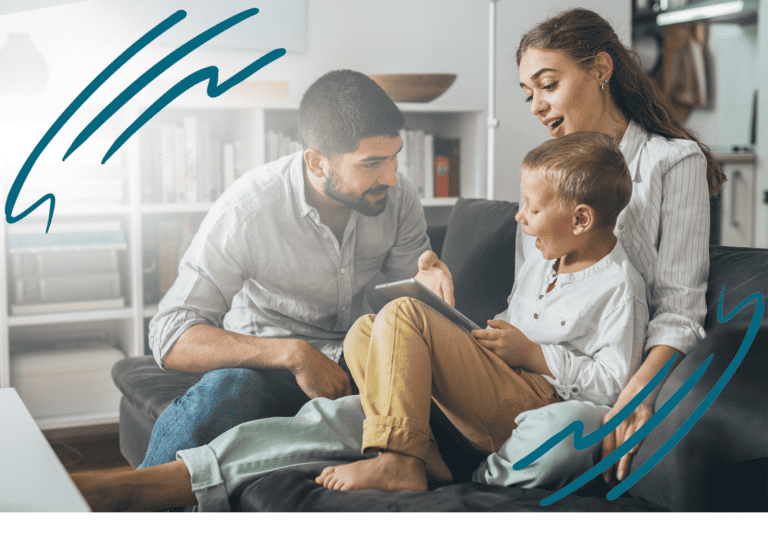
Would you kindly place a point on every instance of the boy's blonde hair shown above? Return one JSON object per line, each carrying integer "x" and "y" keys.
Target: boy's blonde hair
{"x": 585, "y": 168}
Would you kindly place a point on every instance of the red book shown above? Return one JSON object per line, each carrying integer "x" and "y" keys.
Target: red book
{"x": 446, "y": 167}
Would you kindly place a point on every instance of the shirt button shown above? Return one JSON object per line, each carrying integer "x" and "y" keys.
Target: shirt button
{"x": 562, "y": 323}
{"x": 342, "y": 270}
{"x": 621, "y": 226}
{"x": 541, "y": 297}
{"x": 536, "y": 316}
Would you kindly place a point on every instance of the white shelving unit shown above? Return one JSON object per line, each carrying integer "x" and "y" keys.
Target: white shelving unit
{"x": 236, "y": 118}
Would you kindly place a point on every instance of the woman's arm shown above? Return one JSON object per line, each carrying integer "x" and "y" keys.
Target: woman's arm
{"x": 677, "y": 299}
{"x": 657, "y": 357}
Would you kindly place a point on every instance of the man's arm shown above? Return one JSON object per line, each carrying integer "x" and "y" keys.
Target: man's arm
{"x": 203, "y": 348}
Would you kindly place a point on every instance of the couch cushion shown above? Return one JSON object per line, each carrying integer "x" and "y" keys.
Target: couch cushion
{"x": 720, "y": 464}
{"x": 743, "y": 271}
{"x": 149, "y": 388}
{"x": 479, "y": 249}
{"x": 294, "y": 489}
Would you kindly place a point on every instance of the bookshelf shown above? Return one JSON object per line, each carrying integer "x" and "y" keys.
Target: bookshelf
{"x": 141, "y": 216}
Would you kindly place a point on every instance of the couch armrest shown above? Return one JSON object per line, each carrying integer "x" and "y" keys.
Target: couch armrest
{"x": 729, "y": 438}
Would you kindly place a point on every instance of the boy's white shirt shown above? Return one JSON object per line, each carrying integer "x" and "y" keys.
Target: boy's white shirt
{"x": 591, "y": 326}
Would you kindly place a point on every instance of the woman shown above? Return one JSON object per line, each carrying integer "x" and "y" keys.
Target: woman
{"x": 577, "y": 76}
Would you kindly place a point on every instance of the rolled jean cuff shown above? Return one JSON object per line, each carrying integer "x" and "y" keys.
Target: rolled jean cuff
{"x": 207, "y": 483}
{"x": 402, "y": 435}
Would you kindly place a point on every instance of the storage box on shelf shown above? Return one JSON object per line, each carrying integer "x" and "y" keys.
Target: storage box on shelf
{"x": 157, "y": 187}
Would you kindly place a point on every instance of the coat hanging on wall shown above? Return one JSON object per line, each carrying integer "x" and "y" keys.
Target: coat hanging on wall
{"x": 686, "y": 68}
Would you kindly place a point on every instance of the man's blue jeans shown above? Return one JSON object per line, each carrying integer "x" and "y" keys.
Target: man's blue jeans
{"x": 222, "y": 399}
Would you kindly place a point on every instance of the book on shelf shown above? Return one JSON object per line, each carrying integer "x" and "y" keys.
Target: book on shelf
{"x": 426, "y": 160}
{"x": 56, "y": 289}
{"x": 446, "y": 167}
{"x": 69, "y": 307}
{"x": 150, "y": 150}
{"x": 429, "y": 165}
{"x": 280, "y": 144}
{"x": 80, "y": 191}
{"x": 190, "y": 158}
{"x": 182, "y": 163}
{"x": 168, "y": 163}
{"x": 61, "y": 263}
{"x": 204, "y": 144}
{"x": 216, "y": 170}
{"x": 32, "y": 238}
{"x": 229, "y": 164}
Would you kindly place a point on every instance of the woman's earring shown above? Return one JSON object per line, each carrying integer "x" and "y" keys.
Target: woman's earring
{"x": 602, "y": 86}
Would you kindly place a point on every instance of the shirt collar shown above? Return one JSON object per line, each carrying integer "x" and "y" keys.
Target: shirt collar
{"x": 631, "y": 147}
{"x": 296, "y": 176}
{"x": 614, "y": 256}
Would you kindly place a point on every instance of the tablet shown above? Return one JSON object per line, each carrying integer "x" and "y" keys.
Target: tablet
{"x": 415, "y": 289}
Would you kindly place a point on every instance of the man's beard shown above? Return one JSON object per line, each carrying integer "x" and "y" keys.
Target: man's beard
{"x": 332, "y": 189}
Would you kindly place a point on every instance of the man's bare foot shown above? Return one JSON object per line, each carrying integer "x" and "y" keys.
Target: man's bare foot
{"x": 155, "y": 488}
{"x": 387, "y": 471}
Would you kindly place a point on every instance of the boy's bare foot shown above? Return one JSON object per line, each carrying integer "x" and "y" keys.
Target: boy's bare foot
{"x": 387, "y": 471}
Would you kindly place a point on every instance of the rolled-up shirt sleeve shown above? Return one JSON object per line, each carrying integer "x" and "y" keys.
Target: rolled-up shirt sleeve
{"x": 678, "y": 302}
{"x": 597, "y": 366}
{"x": 411, "y": 240}
{"x": 211, "y": 272}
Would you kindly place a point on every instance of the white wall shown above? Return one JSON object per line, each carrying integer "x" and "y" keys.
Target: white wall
{"x": 370, "y": 36}
{"x": 761, "y": 219}
{"x": 519, "y": 130}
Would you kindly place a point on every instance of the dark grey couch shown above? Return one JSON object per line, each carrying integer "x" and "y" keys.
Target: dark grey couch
{"x": 719, "y": 465}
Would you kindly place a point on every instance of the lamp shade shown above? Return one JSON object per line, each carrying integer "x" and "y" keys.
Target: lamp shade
{"x": 23, "y": 70}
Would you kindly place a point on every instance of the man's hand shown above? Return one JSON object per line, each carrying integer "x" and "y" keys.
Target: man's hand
{"x": 316, "y": 374}
{"x": 505, "y": 341}
{"x": 618, "y": 436}
{"x": 435, "y": 275}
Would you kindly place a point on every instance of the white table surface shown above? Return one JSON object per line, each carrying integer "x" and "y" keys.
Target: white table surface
{"x": 31, "y": 476}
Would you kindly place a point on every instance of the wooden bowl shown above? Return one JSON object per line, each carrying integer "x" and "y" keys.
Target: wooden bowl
{"x": 414, "y": 88}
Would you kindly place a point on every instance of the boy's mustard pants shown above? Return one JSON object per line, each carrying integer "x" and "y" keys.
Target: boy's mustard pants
{"x": 409, "y": 354}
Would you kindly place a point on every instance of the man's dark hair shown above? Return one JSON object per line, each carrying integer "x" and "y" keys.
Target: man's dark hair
{"x": 585, "y": 168}
{"x": 341, "y": 108}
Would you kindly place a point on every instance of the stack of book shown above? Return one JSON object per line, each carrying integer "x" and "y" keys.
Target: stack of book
{"x": 73, "y": 267}
{"x": 183, "y": 164}
{"x": 430, "y": 163}
{"x": 279, "y": 144}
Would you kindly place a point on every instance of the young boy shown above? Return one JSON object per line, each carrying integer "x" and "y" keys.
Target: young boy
{"x": 574, "y": 329}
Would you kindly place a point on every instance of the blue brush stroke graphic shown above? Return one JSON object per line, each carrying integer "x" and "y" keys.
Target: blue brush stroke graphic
{"x": 577, "y": 428}
{"x": 209, "y": 73}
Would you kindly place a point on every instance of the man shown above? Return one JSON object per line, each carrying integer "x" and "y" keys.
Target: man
{"x": 276, "y": 274}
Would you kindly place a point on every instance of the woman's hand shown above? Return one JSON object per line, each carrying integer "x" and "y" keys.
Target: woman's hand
{"x": 623, "y": 432}
{"x": 657, "y": 357}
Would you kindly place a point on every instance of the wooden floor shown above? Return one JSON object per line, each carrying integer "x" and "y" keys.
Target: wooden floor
{"x": 96, "y": 454}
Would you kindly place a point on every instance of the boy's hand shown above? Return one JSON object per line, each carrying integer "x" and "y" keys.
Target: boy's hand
{"x": 435, "y": 275}
{"x": 505, "y": 341}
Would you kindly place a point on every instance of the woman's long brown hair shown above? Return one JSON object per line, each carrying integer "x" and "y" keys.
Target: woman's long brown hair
{"x": 582, "y": 34}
